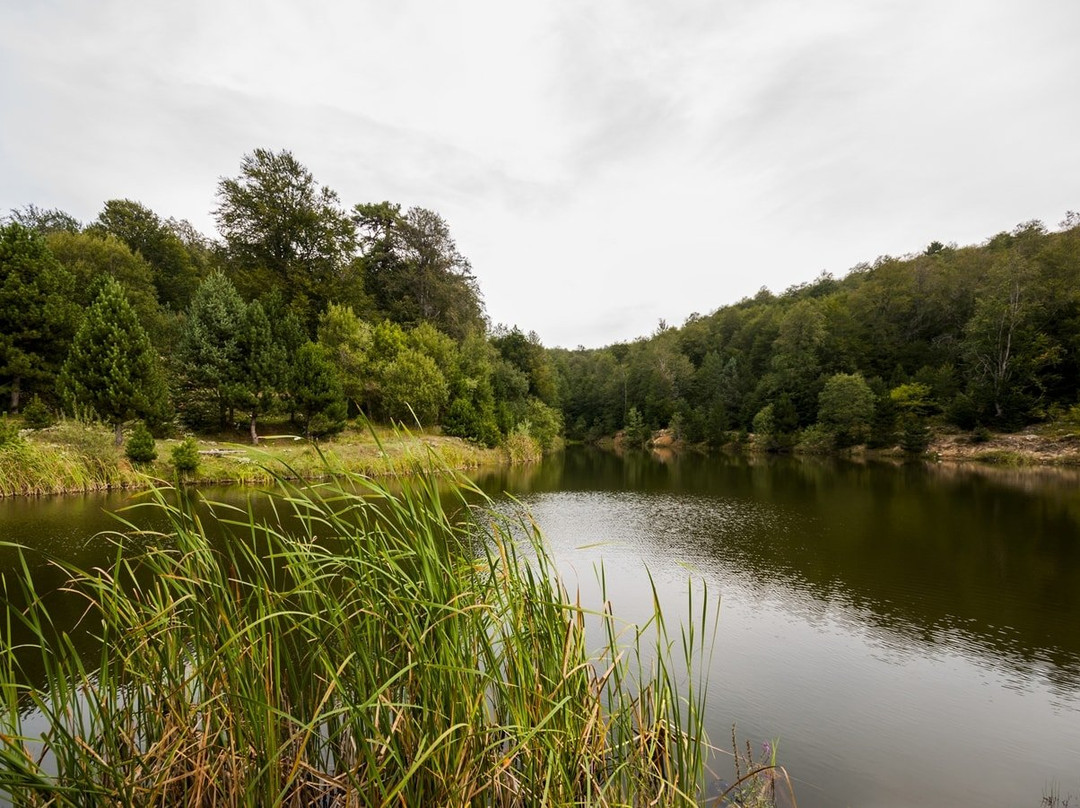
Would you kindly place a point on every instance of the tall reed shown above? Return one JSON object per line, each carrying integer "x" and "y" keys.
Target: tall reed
{"x": 367, "y": 646}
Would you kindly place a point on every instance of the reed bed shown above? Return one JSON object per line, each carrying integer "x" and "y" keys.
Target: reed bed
{"x": 367, "y": 647}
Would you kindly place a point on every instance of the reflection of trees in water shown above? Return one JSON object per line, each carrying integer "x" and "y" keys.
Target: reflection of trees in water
{"x": 981, "y": 560}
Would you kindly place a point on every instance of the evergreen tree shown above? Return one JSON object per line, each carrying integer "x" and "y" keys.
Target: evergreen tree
{"x": 112, "y": 368}
{"x": 260, "y": 369}
{"x": 636, "y": 431}
{"x": 315, "y": 393}
{"x": 209, "y": 350}
{"x": 37, "y": 317}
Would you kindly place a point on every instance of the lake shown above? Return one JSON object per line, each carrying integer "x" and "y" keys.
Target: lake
{"x": 906, "y": 634}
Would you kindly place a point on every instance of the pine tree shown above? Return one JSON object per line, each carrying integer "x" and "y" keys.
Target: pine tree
{"x": 37, "y": 317}
{"x": 209, "y": 349}
{"x": 315, "y": 391}
{"x": 112, "y": 368}
{"x": 260, "y": 370}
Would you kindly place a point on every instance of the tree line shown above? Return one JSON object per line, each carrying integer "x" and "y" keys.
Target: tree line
{"x": 299, "y": 308}
{"x": 978, "y": 337}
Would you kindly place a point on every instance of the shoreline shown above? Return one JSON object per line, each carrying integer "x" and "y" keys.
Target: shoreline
{"x": 79, "y": 459}
{"x": 1034, "y": 447}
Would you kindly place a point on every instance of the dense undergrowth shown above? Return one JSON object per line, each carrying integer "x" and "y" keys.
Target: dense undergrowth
{"x": 366, "y": 647}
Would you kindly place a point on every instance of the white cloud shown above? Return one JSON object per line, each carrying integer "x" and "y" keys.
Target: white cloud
{"x": 603, "y": 164}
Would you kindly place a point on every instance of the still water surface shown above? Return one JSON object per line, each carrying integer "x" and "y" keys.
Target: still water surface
{"x": 909, "y": 634}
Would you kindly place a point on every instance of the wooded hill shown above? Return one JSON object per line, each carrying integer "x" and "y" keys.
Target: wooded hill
{"x": 980, "y": 336}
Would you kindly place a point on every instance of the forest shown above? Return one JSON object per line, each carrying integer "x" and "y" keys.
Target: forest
{"x": 979, "y": 338}
{"x": 302, "y": 309}
{"x": 299, "y": 308}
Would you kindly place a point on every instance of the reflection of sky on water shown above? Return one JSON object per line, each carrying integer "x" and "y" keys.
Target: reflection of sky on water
{"x": 871, "y": 706}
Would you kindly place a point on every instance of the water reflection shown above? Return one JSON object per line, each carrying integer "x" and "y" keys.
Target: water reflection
{"x": 910, "y": 631}
{"x": 984, "y": 560}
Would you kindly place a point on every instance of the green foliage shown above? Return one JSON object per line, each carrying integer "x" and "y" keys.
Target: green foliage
{"x": 764, "y": 422}
{"x": 413, "y": 388}
{"x": 521, "y": 447}
{"x": 464, "y": 420}
{"x": 913, "y": 399}
{"x": 279, "y": 658}
{"x": 36, "y": 415}
{"x": 635, "y": 432}
{"x": 185, "y": 456}
{"x": 816, "y": 439}
{"x": 315, "y": 394}
{"x": 284, "y": 232}
{"x": 544, "y": 423}
{"x": 112, "y": 368}
{"x": 45, "y": 220}
{"x": 9, "y": 431}
{"x": 37, "y": 315}
{"x": 527, "y": 354}
{"x": 915, "y": 436}
{"x": 261, "y": 367}
{"x": 141, "y": 448}
{"x": 414, "y": 272}
{"x": 350, "y": 342}
{"x": 209, "y": 353}
{"x": 176, "y": 265}
{"x": 93, "y": 256}
{"x": 883, "y": 423}
{"x": 846, "y": 408}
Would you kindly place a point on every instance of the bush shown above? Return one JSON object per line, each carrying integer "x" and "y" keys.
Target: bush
{"x": 186, "y": 456}
{"x": 523, "y": 447}
{"x": 36, "y": 415}
{"x": 980, "y": 435}
{"x": 9, "y": 432}
{"x": 816, "y": 439}
{"x": 140, "y": 446}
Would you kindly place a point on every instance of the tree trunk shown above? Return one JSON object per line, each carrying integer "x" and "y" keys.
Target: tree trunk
{"x": 254, "y": 433}
{"x": 119, "y": 433}
{"x": 16, "y": 388}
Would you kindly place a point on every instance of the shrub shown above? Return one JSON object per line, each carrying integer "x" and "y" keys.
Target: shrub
{"x": 36, "y": 415}
{"x": 523, "y": 447}
{"x": 186, "y": 456}
{"x": 9, "y": 432}
{"x": 140, "y": 445}
{"x": 816, "y": 439}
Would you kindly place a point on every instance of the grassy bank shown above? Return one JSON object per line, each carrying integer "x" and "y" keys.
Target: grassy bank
{"x": 409, "y": 656}
{"x": 77, "y": 457}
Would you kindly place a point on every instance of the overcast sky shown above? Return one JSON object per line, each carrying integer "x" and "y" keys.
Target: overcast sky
{"x": 603, "y": 164}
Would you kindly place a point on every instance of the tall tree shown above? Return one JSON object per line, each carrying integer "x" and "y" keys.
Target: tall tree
{"x": 37, "y": 315}
{"x": 91, "y": 256}
{"x": 261, "y": 366}
{"x": 414, "y": 271}
{"x": 112, "y": 367}
{"x": 176, "y": 271}
{"x": 283, "y": 231}
{"x": 209, "y": 349}
{"x": 315, "y": 393}
{"x": 45, "y": 220}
